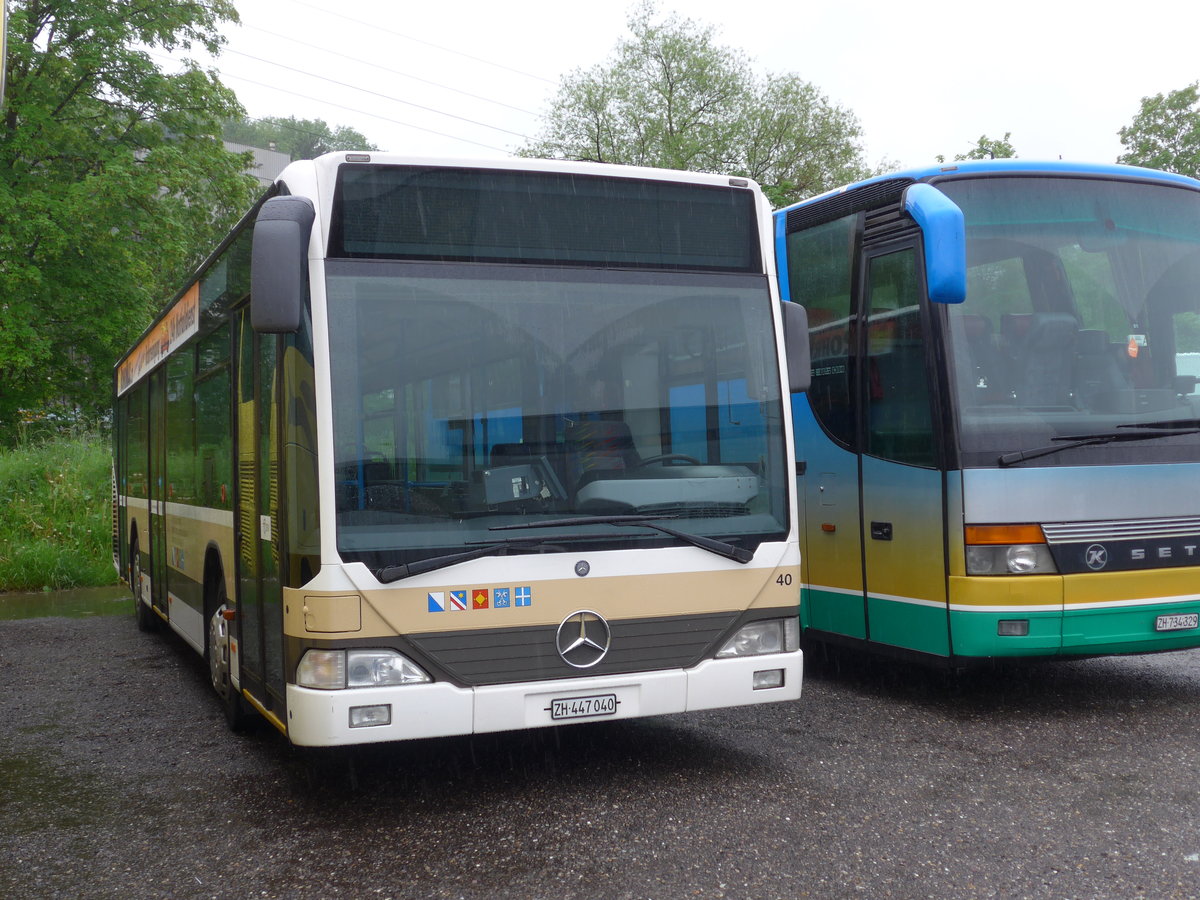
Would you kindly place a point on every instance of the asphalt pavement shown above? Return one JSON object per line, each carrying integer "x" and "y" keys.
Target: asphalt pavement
{"x": 118, "y": 778}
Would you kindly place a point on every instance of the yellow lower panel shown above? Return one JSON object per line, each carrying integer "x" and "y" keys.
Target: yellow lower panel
{"x": 1119, "y": 588}
{"x": 1035, "y": 592}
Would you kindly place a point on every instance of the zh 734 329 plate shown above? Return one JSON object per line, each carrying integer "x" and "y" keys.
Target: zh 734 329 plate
{"x": 583, "y": 707}
{"x": 1177, "y": 622}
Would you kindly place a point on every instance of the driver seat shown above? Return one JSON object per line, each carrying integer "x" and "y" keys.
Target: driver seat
{"x": 603, "y": 446}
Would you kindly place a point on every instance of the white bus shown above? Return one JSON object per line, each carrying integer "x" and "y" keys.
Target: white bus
{"x": 441, "y": 447}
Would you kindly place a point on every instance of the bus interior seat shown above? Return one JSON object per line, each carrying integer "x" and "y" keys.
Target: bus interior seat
{"x": 981, "y": 369}
{"x": 602, "y": 446}
{"x": 1099, "y": 377}
{"x": 1043, "y": 360}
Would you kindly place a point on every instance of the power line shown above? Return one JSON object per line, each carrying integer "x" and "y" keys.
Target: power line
{"x": 374, "y": 65}
{"x": 364, "y": 90}
{"x": 363, "y": 112}
{"x": 373, "y": 115}
{"x": 375, "y": 26}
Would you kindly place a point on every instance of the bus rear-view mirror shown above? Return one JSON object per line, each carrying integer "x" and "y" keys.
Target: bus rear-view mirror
{"x": 278, "y": 264}
{"x": 945, "y": 242}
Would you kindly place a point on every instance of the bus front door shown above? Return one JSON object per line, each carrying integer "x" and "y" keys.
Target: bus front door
{"x": 260, "y": 596}
{"x": 904, "y": 562}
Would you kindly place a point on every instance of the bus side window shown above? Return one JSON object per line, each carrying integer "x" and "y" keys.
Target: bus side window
{"x": 820, "y": 263}
{"x": 899, "y": 420}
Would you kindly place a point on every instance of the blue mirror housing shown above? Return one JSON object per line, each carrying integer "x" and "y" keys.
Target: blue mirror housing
{"x": 941, "y": 223}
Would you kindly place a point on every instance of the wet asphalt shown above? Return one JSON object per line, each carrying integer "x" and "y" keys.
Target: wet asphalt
{"x": 118, "y": 778}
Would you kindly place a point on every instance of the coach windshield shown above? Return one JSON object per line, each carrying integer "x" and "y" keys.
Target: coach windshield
{"x": 1079, "y": 341}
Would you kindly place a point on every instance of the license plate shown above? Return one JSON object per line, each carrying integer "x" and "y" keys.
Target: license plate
{"x": 1177, "y": 623}
{"x": 583, "y": 707}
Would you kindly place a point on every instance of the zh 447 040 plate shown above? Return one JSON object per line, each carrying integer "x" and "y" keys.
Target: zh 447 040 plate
{"x": 583, "y": 707}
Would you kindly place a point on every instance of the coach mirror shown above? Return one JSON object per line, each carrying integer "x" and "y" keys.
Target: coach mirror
{"x": 278, "y": 260}
{"x": 945, "y": 242}
{"x": 795, "y": 339}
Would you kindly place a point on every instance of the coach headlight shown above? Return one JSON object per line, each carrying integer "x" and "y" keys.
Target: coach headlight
{"x": 1008, "y": 550}
{"x": 332, "y": 670}
{"x": 762, "y": 637}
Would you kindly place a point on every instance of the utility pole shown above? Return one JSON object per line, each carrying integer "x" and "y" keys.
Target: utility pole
{"x": 3, "y": 47}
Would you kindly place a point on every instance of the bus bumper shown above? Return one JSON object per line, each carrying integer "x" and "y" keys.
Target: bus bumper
{"x": 322, "y": 718}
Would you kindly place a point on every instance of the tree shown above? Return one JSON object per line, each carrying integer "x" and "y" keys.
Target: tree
{"x": 671, "y": 96}
{"x": 1165, "y": 134}
{"x": 987, "y": 148}
{"x": 299, "y": 138}
{"x": 114, "y": 185}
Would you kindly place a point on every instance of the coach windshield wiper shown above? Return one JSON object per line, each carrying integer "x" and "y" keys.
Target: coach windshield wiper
{"x": 388, "y": 574}
{"x": 1165, "y": 423}
{"x": 1070, "y": 441}
{"x": 737, "y": 554}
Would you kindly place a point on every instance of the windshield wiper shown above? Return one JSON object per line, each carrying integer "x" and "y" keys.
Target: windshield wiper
{"x": 721, "y": 548}
{"x": 388, "y": 574}
{"x": 1166, "y": 423}
{"x": 1070, "y": 441}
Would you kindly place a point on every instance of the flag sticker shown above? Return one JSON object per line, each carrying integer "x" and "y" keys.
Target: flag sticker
{"x": 437, "y": 601}
{"x": 479, "y": 598}
{"x": 523, "y": 596}
{"x": 501, "y": 598}
{"x": 458, "y": 601}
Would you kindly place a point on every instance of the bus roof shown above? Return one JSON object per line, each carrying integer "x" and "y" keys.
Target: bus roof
{"x": 329, "y": 162}
{"x": 994, "y": 167}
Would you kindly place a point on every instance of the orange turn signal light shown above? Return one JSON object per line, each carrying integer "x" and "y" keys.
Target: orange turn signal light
{"x": 1005, "y": 534}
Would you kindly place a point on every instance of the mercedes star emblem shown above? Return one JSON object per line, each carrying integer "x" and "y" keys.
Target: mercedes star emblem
{"x": 583, "y": 639}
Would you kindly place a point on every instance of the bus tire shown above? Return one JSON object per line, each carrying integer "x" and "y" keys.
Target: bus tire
{"x": 146, "y": 620}
{"x": 216, "y": 649}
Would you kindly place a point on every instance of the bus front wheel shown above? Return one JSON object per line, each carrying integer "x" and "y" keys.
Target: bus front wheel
{"x": 145, "y": 618}
{"x": 219, "y": 665}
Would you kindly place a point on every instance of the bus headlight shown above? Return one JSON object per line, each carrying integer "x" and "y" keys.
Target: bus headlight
{"x": 368, "y": 668}
{"x": 332, "y": 670}
{"x": 1008, "y": 550}
{"x": 1014, "y": 559}
{"x": 762, "y": 637}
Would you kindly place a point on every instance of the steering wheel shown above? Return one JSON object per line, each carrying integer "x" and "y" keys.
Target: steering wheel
{"x": 669, "y": 457}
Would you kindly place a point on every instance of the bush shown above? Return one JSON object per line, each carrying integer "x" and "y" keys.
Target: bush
{"x": 56, "y": 514}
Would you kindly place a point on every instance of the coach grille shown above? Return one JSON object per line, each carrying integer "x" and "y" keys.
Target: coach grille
{"x": 1121, "y": 530}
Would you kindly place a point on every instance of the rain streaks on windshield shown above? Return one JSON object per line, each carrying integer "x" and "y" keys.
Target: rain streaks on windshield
{"x": 1082, "y": 318}
{"x": 473, "y": 396}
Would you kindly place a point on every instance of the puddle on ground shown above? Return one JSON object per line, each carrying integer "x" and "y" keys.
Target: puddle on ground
{"x": 78, "y": 603}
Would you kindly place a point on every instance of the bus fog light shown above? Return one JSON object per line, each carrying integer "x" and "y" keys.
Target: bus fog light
{"x": 370, "y": 668}
{"x": 759, "y": 638}
{"x": 767, "y": 679}
{"x": 1012, "y": 627}
{"x": 322, "y": 669}
{"x": 367, "y": 716}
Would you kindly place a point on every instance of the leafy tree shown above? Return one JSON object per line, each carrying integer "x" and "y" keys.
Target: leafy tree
{"x": 671, "y": 96}
{"x": 299, "y": 138}
{"x": 1165, "y": 134}
{"x": 114, "y": 184}
{"x": 987, "y": 148}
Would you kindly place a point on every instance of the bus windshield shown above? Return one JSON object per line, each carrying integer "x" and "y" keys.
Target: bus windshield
{"x": 1081, "y": 327}
{"x": 468, "y": 397}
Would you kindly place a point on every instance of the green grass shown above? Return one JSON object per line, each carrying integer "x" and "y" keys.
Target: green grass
{"x": 56, "y": 514}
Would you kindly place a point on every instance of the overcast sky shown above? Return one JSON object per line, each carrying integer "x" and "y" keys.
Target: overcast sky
{"x": 471, "y": 78}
